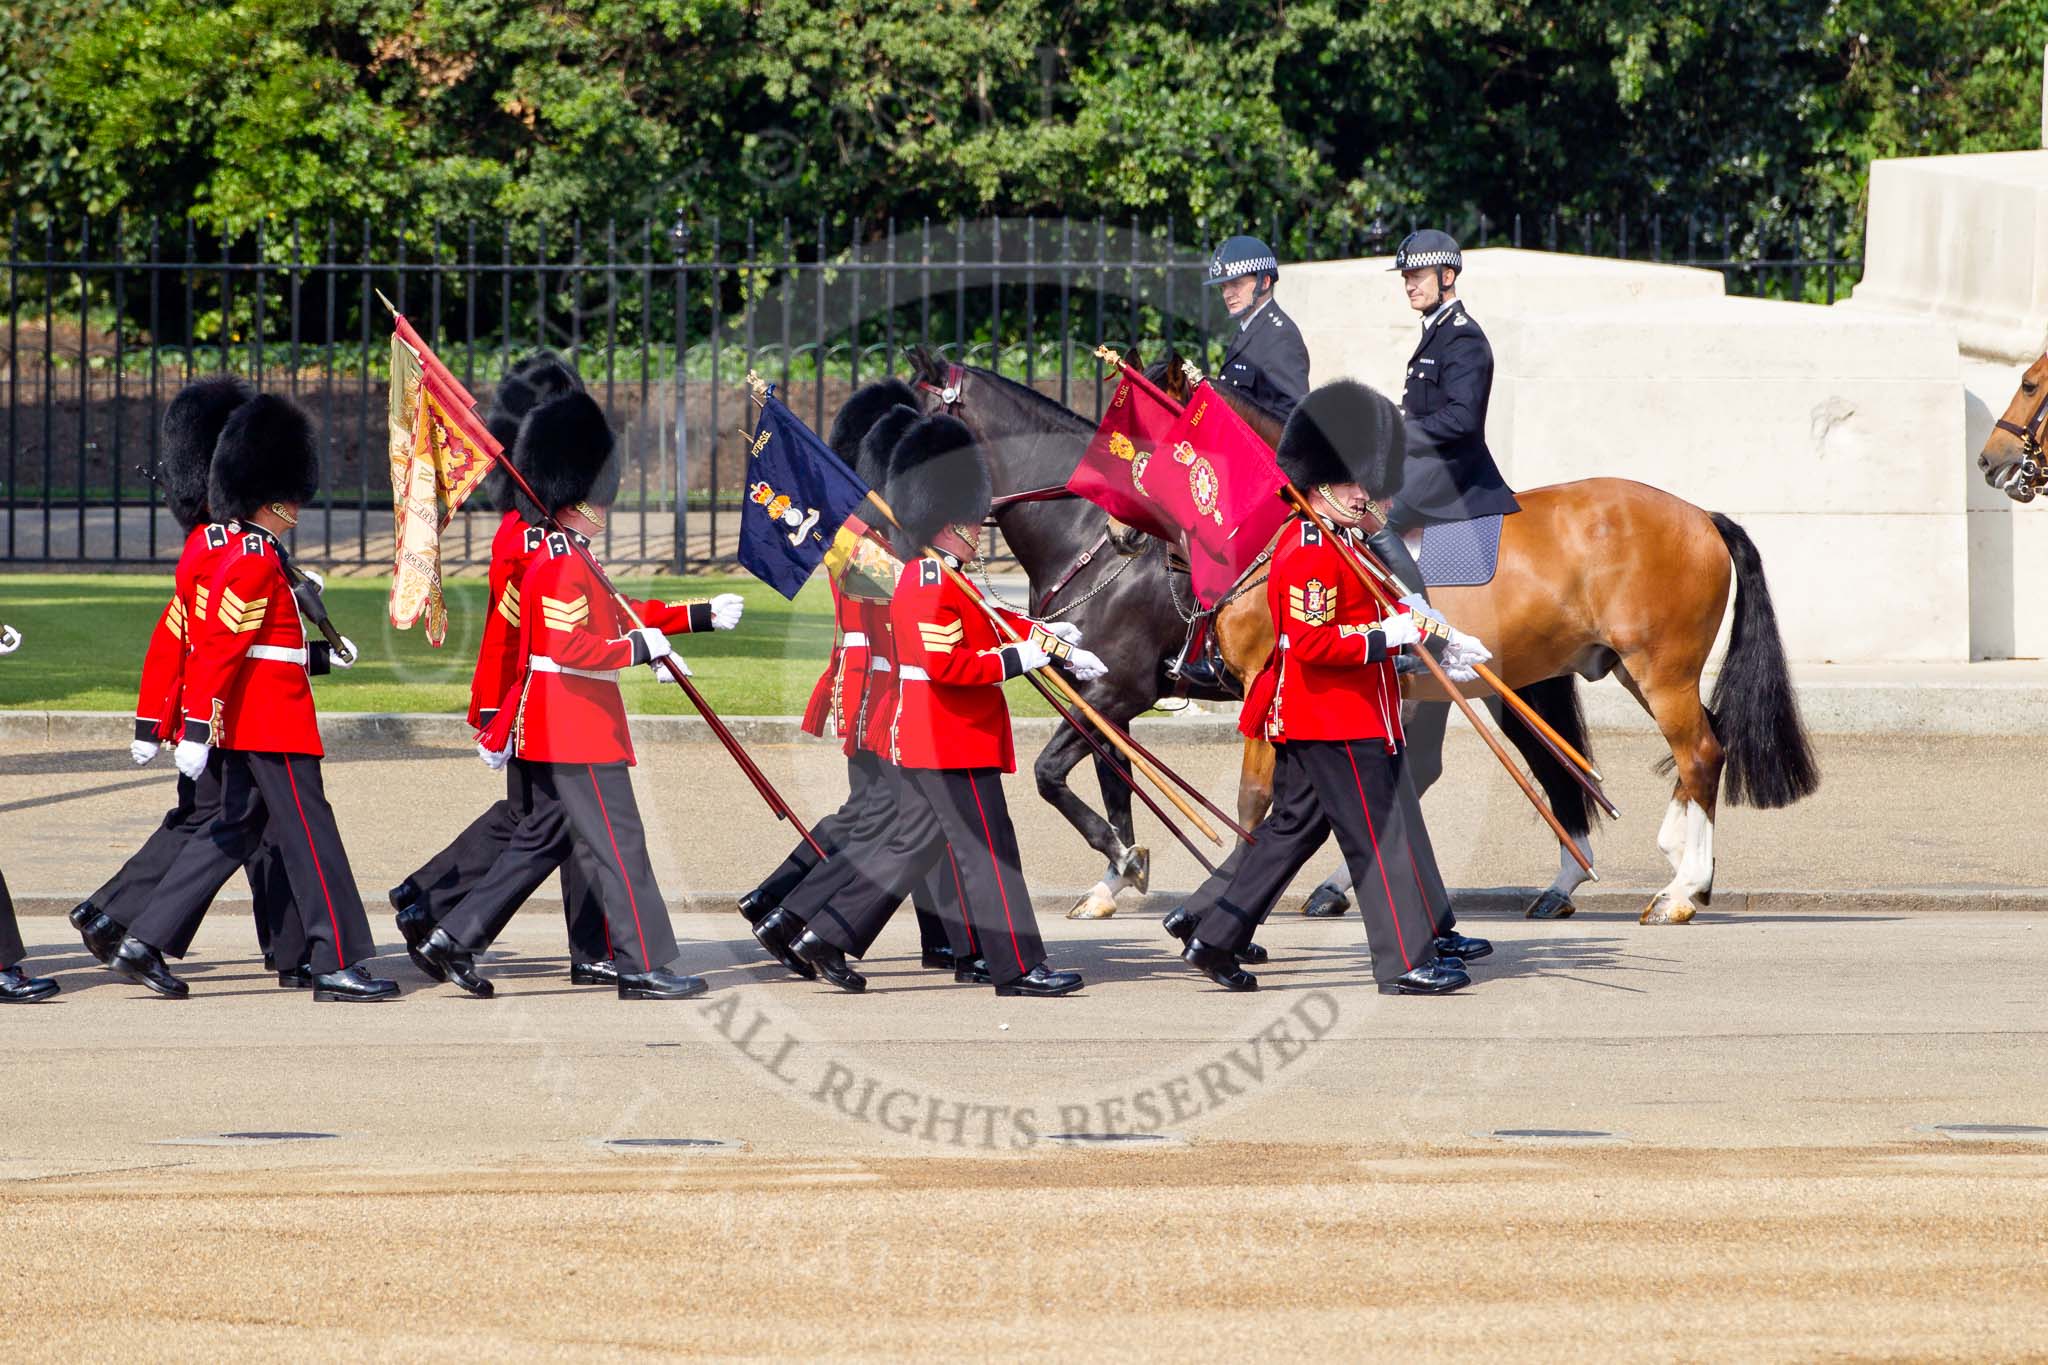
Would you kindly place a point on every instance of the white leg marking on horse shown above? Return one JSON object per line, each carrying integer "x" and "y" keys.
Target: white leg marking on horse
{"x": 1671, "y": 834}
{"x": 1100, "y": 902}
{"x": 1570, "y": 876}
{"x": 1679, "y": 901}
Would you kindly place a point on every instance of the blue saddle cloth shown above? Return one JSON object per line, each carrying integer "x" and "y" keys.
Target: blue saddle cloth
{"x": 1460, "y": 554}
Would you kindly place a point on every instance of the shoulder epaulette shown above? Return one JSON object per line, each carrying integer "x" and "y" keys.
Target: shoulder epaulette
{"x": 216, "y": 536}
{"x": 558, "y": 545}
{"x": 930, "y": 573}
{"x": 534, "y": 536}
{"x": 1311, "y": 534}
{"x": 252, "y": 544}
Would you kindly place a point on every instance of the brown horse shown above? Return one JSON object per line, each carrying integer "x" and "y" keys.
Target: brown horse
{"x": 2011, "y": 459}
{"x": 1604, "y": 576}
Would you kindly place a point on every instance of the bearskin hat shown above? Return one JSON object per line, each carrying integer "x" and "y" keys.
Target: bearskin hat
{"x": 565, "y": 451}
{"x": 192, "y": 427}
{"x": 1344, "y": 432}
{"x": 876, "y": 448}
{"x": 533, "y": 381}
{"x": 936, "y": 479}
{"x": 861, "y": 411}
{"x": 265, "y": 454}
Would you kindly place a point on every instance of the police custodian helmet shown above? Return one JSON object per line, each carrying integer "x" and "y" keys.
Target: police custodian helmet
{"x": 1241, "y": 256}
{"x": 1429, "y": 247}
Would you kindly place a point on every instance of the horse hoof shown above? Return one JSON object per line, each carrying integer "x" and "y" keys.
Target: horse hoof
{"x": 1135, "y": 869}
{"x": 1668, "y": 910}
{"x": 1094, "y": 905}
{"x": 1552, "y": 904}
{"x": 1325, "y": 903}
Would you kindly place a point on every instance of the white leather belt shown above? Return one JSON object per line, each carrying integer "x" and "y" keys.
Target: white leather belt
{"x": 878, "y": 665}
{"x": 912, "y": 673}
{"x": 854, "y": 639}
{"x": 1284, "y": 643}
{"x": 279, "y": 653}
{"x": 541, "y": 663}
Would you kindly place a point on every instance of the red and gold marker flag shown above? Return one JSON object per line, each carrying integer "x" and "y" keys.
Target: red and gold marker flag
{"x": 1217, "y": 480}
{"x": 439, "y": 454}
{"x": 1111, "y": 473}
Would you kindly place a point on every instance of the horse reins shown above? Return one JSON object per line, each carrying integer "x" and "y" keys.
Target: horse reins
{"x": 2031, "y": 475}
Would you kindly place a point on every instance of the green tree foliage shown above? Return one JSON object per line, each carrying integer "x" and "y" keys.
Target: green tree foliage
{"x": 532, "y": 113}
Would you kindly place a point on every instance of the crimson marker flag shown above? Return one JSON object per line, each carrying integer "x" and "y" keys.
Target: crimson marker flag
{"x": 1112, "y": 470}
{"x": 1217, "y": 480}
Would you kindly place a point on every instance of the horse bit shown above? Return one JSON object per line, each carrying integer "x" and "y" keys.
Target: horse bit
{"x": 2030, "y": 476}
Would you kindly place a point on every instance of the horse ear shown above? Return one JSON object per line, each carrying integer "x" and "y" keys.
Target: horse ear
{"x": 923, "y": 364}
{"x": 1136, "y": 359}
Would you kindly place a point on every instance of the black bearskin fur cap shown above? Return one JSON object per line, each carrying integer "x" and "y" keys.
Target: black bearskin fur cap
{"x": 936, "y": 480}
{"x": 533, "y": 381}
{"x": 192, "y": 427}
{"x": 265, "y": 454}
{"x": 1344, "y": 432}
{"x": 879, "y": 445}
{"x": 862, "y": 411}
{"x": 565, "y": 451}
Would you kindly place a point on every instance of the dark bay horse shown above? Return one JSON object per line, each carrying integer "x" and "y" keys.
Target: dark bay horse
{"x": 1597, "y": 576}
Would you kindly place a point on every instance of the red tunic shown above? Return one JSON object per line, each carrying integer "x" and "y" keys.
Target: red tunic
{"x": 498, "y": 657}
{"x": 1330, "y": 675}
{"x": 876, "y": 716}
{"x": 951, "y": 663}
{"x": 159, "y": 713}
{"x": 565, "y": 707}
{"x": 837, "y": 696}
{"x": 247, "y": 676}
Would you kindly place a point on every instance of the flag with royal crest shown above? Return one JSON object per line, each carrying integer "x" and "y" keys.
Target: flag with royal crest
{"x": 799, "y": 495}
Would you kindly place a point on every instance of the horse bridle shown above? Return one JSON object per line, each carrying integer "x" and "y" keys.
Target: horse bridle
{"x": 2031, "y": 476}
{"x": 949, "y": 395}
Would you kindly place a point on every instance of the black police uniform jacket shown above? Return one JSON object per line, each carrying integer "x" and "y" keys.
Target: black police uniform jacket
{"x": 1449, "y": 474}
{"x": 1267, "y": 362}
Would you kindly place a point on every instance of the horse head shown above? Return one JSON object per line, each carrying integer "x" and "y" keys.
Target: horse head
{"x": 2012, "y": 459}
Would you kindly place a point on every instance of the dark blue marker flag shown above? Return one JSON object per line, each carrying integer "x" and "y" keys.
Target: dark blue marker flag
{"x": 798, "y": 496}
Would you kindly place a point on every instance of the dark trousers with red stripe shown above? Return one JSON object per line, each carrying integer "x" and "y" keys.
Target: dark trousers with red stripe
{"x": 285, "y": 793}
{"x": 1348, "y": 788}
{"x": 869, "y": 819}
{"x": 954, "y": 821}
{"x": 11, "y": 951}
{"x": 601, "y": 819}
{"x": 507, "y": 853}
{"x": 126, "y": 893}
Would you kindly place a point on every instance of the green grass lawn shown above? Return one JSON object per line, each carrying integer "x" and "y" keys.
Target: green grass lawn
{"x": 83, "y": 638}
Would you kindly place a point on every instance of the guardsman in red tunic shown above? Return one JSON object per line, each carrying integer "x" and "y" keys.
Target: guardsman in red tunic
{"x": 248, "y": 705}
{"x": 427, "y": 896}
{"x": 16, "y": 986}
{"x": 1330, "y": 704}
{"x": 858, "y": 686}
{"x": 192, "y": 425}
{"x": 564, "y": 719}
{"x": 950, "y": 736}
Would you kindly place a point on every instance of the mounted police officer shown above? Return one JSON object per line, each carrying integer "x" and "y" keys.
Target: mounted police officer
{"x": 1450, "y": 474}
{"x": 1266, "y": 359}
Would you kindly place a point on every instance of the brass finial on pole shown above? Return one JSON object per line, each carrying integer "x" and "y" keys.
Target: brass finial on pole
{"x": 389, "y": 306}
{"x": 1104, "y": 353}
{"x": 1188, "y": 368}
{"x": 757, "y": 389}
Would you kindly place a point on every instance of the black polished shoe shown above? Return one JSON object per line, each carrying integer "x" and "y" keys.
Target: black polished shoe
{"x": 455, "y": 963}
{"x": 1434, "y": 978}
{"x": 1182, "y": 925}
{"x": 1326, "y": 903}
{"x": 1455, "y": 944}
{"x": 1219, "y": 965}
{"x": 659, "y": 984}
{"x": 19, "y": 988}
{"x": 829, "y": 962}
{"x": 100, "y": 935}
{"x": 136, "y": 961}
{"x": 1253, "y": 955}
{"x": 605, "y": 973}
{"x": 755, "y": 907}
{"x": 269, "y": 962}
{"x": 353, "y": 983}
{"x": 415, "y": 928}
{"x": 971, "y": 973}
{"x": 939, "y": 959}
{"x": 1042, "y": 980}
{"x": 775, "y": 932}
{"x": 299, "y": 978}
{"x": 1201, "y": 672}
{"x": 81, "y": 914}
{"x": 403, "y": 896}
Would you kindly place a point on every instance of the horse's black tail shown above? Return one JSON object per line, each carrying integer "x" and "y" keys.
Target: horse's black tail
{"x": 1755, "y": 710}
{"x": 1557, "y": 701}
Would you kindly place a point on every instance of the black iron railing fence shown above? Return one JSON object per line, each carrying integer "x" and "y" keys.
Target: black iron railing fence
{"x": 103, "y": 321}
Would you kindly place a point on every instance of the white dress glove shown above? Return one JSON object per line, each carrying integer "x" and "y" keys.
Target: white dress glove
{"x": 345, "y": 657}
{"x": 1416, "y": 603}
{"x": 1462, "y": 654}
{"x": 726, "y": 609}
{"x": 494, "y": 759}
{"x": 190, "y": 756}
{"x": 142, "y": 750}
{"x": 1085, "y": 665}
{"x": 1064, "y": 631}
{"x": 1030, "y": 657}
{"x": 655, "y": 643}
{"x": 319, "y": 582}
{"x": 1400, "y": 629}
{"x": 10, "y": 639}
